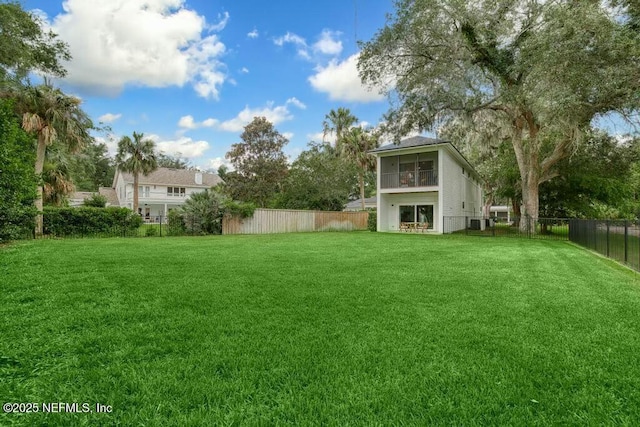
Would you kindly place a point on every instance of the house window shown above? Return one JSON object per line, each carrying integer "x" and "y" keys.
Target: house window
{"x": 176, "y": 191}
{"x": 417, "y": 213}
{"x": 143, "y": 191}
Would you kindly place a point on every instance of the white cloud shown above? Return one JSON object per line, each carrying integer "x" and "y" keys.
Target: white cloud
{"x": 253, "y": 34}
{"x": 154, "y": 43}
{"x": 274, "y": 114}
{"x": 244, "y": 70}
{"x": 295, "y": 101}
{"x": 340, "y": 80}
{"x": 183, "y": 146}
{"x": 288, "y": 135}
{"x": 328, "y": 45}
{"x": 215, "y": 163}
{"x": 297, "y": 41}
{"x": 319, "y": 137}
{"x": 223, "y": 19}
{"x": 109, "y": 118}
{"x": 188, "y": 122}
{"x": 209, "y": 123}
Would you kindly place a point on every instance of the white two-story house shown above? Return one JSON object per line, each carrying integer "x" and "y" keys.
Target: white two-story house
{"x": 162, "y": 190}
{"x": 423, "y": 182}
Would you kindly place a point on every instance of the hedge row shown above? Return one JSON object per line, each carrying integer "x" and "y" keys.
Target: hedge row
{"x": 89, "y": 221}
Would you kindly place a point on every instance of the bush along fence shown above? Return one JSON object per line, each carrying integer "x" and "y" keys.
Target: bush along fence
{"x": 90, "y": 222}
{"x": 615, "y": 239}
{"x": 527, "y": 227}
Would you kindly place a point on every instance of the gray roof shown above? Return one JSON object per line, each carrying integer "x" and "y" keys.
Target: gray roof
{"x": 416, "y": 141}
{"x": 184, "y": 177}
{"x": 110, "y": 194}
{"x": 357, "y": 203}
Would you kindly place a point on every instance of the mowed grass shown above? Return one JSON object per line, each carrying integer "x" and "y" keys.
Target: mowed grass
{"x": 319, "y": 329}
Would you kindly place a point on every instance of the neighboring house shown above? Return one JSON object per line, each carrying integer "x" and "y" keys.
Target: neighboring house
{"x": 424, "y": 180}
{"x": 78, "y": 198}
{"x": 356, "y": 205}
{"x": 162, "y": 190}
{"x": 500, "y": 213}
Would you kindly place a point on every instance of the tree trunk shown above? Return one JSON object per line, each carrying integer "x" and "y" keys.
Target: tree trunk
{"x": 530, "y": 201}
{"x": 40, "y": 154}
{"x": 488, "y": 202}
{"x": 361, "y": 177}
{"x": 136, "y": 179}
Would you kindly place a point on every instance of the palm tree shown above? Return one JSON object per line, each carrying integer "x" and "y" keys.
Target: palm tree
{"x": 338, "y": 122}
{"x": 356, "y": 144}
{"x": 136, "y": 156}
{"x": 54, "y": 117}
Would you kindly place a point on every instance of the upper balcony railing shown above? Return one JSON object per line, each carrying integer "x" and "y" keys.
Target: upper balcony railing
{"x": 157, "y": 195}
{"x": 427, "y": 178}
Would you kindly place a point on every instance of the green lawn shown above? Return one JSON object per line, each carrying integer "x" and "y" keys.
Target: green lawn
{"x": 319, "y": 329}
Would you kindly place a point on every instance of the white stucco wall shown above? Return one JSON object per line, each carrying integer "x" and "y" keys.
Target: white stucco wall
{"x": 389, "y": 209}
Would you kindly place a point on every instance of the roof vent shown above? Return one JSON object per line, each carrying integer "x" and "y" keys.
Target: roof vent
{"x": 199, "y": 178}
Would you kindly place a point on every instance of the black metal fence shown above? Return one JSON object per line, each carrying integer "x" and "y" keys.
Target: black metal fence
{"x": 616, "y": 239}
{"x": 532, "y": 228}
{"x": 159, "y": 226}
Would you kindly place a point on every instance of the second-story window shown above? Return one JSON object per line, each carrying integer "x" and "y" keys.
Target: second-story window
{"x": 143, "y": 191}
{"x": 176, "y": 191}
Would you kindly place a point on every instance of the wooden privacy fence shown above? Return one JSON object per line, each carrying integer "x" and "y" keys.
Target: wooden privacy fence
{"x": 265, "y": 221}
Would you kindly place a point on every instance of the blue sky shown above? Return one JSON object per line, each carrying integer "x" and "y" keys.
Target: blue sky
{"x": 191, "y": 73}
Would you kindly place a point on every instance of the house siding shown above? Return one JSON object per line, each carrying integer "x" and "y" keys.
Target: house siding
{"x": 389, "y": 210}
{"x": 458, "y": 194}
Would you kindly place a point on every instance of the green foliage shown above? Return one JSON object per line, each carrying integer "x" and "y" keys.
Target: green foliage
{"x": 92, "y": 168}
{"x": 176, "y": 225}
{"x": 259, "y": 162}
{"x": 173, "y": 162}
{"x": 96, "y": 201}
{"x": 239, "y": 209}
{"x": 136, "y": 156}
{"x": 372, "y": 222}
{"x": 203, "y": 213}
{"x": 356, "y": 145}
{"x": 26, "y": 47}
{"x": 318, "y": 180}
{"x": 338, "y": 122}
{"x": 17, "y": 180}
{"x": 84, "y": 221}
{"x": 55, "y": 119}
{"x": 593, "y": 183}
{"x": 151, "y": 231}
{"x": 534, "y": 72}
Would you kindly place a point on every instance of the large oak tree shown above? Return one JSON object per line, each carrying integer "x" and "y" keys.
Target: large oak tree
{"x": 540, "y": 71}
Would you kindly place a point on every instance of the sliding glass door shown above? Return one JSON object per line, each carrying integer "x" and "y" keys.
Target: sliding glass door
{"x": 417, "y": 213}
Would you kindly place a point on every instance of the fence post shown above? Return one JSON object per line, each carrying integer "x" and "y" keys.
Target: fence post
{"x": 626, "y": 241}
{"x": 160, "y": 225}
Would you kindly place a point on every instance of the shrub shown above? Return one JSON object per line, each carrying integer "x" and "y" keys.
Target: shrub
{"x": 83, "y": 221}
{"x": 150, "y": 231}
{"x": 373, "y": 220}
{"x": 175, "y": 224}
{"x": 17, "y": 181}
{"x": 203, "y": 213}
{"x": 96, "y": 201}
